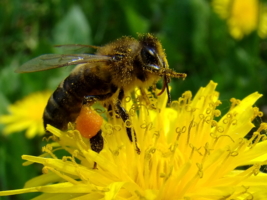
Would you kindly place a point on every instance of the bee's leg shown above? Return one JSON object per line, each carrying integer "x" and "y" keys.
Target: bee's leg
{"x": 124, "y": 115}
{"x": 97, "y": 141}
{"x": 97, "y": 144}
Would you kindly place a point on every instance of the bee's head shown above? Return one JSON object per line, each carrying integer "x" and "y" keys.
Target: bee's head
{"x": 154, "y": 61}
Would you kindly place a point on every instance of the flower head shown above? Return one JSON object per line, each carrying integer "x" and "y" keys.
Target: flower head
{"x": 243, "y": 16}
{"x": 185, "y": 153}
{"x": 26, "y": 114}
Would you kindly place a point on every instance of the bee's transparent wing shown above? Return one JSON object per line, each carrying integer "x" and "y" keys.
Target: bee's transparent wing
{"x": 50, "y": 61}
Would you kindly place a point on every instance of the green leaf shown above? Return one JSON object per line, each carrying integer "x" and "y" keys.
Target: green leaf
{"x": 73, "y": 28}
{"x": 137, "y": 23}
{"x": 200, "y": 31}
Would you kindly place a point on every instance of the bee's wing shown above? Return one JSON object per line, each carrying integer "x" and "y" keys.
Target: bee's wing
{"x": 50, "y": 61}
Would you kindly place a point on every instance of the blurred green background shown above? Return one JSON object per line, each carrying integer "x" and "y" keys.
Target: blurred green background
{"x": 196, "y": 40}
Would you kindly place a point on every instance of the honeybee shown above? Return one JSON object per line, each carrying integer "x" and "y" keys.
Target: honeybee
{"x": 115, "y": 70}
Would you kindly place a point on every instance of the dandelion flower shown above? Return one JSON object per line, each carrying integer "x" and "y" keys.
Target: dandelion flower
{"x": 26, "y": 114}
{"x": 243, "y": 16}
{"x": 185, "y": 153}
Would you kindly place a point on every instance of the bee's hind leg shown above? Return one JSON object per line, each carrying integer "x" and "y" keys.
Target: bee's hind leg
{"x": 97, "y": 141}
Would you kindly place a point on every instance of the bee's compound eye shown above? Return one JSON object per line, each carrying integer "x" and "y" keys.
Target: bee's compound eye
{"x": 148, "y": 55}
{"x": 89, "y": 122}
